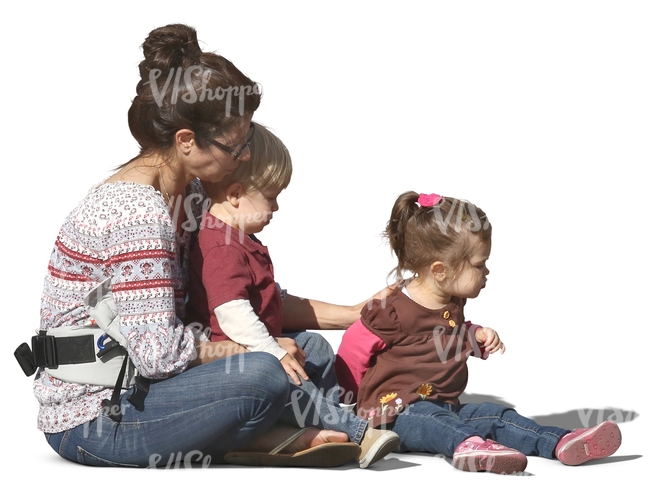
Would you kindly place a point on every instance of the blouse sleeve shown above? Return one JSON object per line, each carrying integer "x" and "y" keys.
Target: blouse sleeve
{"x": 145, "y": 269}
{"x": 380, "y": 317}
{"x": 353, "y": 357}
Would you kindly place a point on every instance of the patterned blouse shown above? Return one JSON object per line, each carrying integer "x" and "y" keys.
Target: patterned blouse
{"x": 124, "y": 231}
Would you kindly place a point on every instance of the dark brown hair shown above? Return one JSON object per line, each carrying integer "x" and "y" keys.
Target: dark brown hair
{"x": 421, "y": 235}
{"x": 182, "y": 87}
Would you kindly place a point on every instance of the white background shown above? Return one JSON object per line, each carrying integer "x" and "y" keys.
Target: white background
{"x": 538, "y": 112}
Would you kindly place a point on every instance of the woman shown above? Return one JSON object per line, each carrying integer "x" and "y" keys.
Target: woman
{"x": 192, "y": 119}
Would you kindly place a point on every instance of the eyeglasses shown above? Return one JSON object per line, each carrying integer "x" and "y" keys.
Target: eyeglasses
{"x": 232, "y": 152}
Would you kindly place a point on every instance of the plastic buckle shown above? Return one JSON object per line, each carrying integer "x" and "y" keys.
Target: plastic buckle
{"x": 44, "y": 350}
{"x": 106, "y": 346}
{"x": 25, "y": 358}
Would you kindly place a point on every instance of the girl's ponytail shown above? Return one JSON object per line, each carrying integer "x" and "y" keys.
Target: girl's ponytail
{"x": 403, "y": 210}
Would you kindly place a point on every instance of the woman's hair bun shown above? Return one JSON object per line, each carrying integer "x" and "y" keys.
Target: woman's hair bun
{"x": 168, "y": 47}
{"x": 175, "y": 78}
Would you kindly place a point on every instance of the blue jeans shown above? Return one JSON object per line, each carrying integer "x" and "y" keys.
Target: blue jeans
{"x": 316, "y": 402}
{"x": 213, "y": 408}
{"x": 439, "y": 428}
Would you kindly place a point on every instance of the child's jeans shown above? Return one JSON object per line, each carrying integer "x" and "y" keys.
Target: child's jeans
{"x": 316, "y": 402}
{"x": 439, "y": 428}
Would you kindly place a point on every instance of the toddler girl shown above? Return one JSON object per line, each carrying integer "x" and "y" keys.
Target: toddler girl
{"x": 406, "y": 357}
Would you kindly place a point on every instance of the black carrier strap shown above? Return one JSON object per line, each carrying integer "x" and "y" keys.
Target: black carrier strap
{"x": 50, "y": 352}
{"x": 112, "y": 407}
{"x": 140, "y": 391}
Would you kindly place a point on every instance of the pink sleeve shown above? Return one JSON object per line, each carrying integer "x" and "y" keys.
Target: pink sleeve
{"x": 478, "y": 349}
{"x": 353, "y": 359}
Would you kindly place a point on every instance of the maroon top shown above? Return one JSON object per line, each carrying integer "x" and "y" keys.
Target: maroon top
{"x": 227, "y": 265}
{"x": 425, "y": 356}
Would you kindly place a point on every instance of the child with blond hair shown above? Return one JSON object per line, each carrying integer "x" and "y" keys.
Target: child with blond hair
{"x": 234, "y": 293}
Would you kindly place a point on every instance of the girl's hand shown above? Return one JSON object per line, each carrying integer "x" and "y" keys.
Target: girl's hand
{"x": 490, "y": 340}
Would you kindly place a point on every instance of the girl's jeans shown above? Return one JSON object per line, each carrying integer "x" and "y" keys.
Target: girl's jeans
{"x": 216, "y": 407}
{"x": 439, "y": 428}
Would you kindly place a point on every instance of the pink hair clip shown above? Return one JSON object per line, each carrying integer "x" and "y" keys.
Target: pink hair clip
{"x": 426, "y": 200}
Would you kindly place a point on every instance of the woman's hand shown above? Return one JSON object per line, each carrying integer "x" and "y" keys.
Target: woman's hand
{"x": 294, "y": 361}
{"x": 381, "y": 295}
{"x": 489, "y": 340}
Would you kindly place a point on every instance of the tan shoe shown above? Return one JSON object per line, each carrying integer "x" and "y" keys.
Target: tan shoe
{"x": 375, "y": 445}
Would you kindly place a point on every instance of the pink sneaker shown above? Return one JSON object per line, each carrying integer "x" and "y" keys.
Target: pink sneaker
{"x": 587, "y": 444}
{"x": 488, "y": 456}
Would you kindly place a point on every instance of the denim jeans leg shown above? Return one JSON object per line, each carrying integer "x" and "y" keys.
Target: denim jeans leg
{"x": 308, "y": 406}
{"x": 217, "y": 407}
{"x": 506, "y": 426}
{"x": 319, "y": 361}
{"x": 316, "y": 402}
{"x": 431, "y": 427}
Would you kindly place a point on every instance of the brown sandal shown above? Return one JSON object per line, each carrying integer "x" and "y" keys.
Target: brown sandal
{"x": 325, "y": 455}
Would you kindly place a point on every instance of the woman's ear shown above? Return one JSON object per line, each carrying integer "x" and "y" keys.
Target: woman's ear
{"x": 184, "y": 140}
{"x": 234, "y": 193}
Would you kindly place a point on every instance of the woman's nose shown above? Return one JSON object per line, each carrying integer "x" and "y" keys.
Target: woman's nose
{"x": 245, "y": 156}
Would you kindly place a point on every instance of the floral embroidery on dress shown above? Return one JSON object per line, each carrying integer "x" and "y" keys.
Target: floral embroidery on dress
{"x": 385, "y": 400}
{"x": 424, "y": 390}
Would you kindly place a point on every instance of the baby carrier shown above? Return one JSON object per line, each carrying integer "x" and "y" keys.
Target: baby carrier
{"x": 93, "y": 354}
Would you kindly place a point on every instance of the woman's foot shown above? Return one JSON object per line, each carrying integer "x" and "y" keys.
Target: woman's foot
{"x": 293, "y": 447}
{"x": 311, "y": 437}
{"x": 476, "y": 454}
{"x": 587, "y": 444}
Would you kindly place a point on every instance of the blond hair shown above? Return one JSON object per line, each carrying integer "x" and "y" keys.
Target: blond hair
{"x": 269, "y": 166}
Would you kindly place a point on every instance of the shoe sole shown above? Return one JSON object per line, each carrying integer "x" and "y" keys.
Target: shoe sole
{"x": 325, "y": 455}
{"x": 595, "y": 443}
{"x": 494, "y": 462}
{"x": 379, "y": 450}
